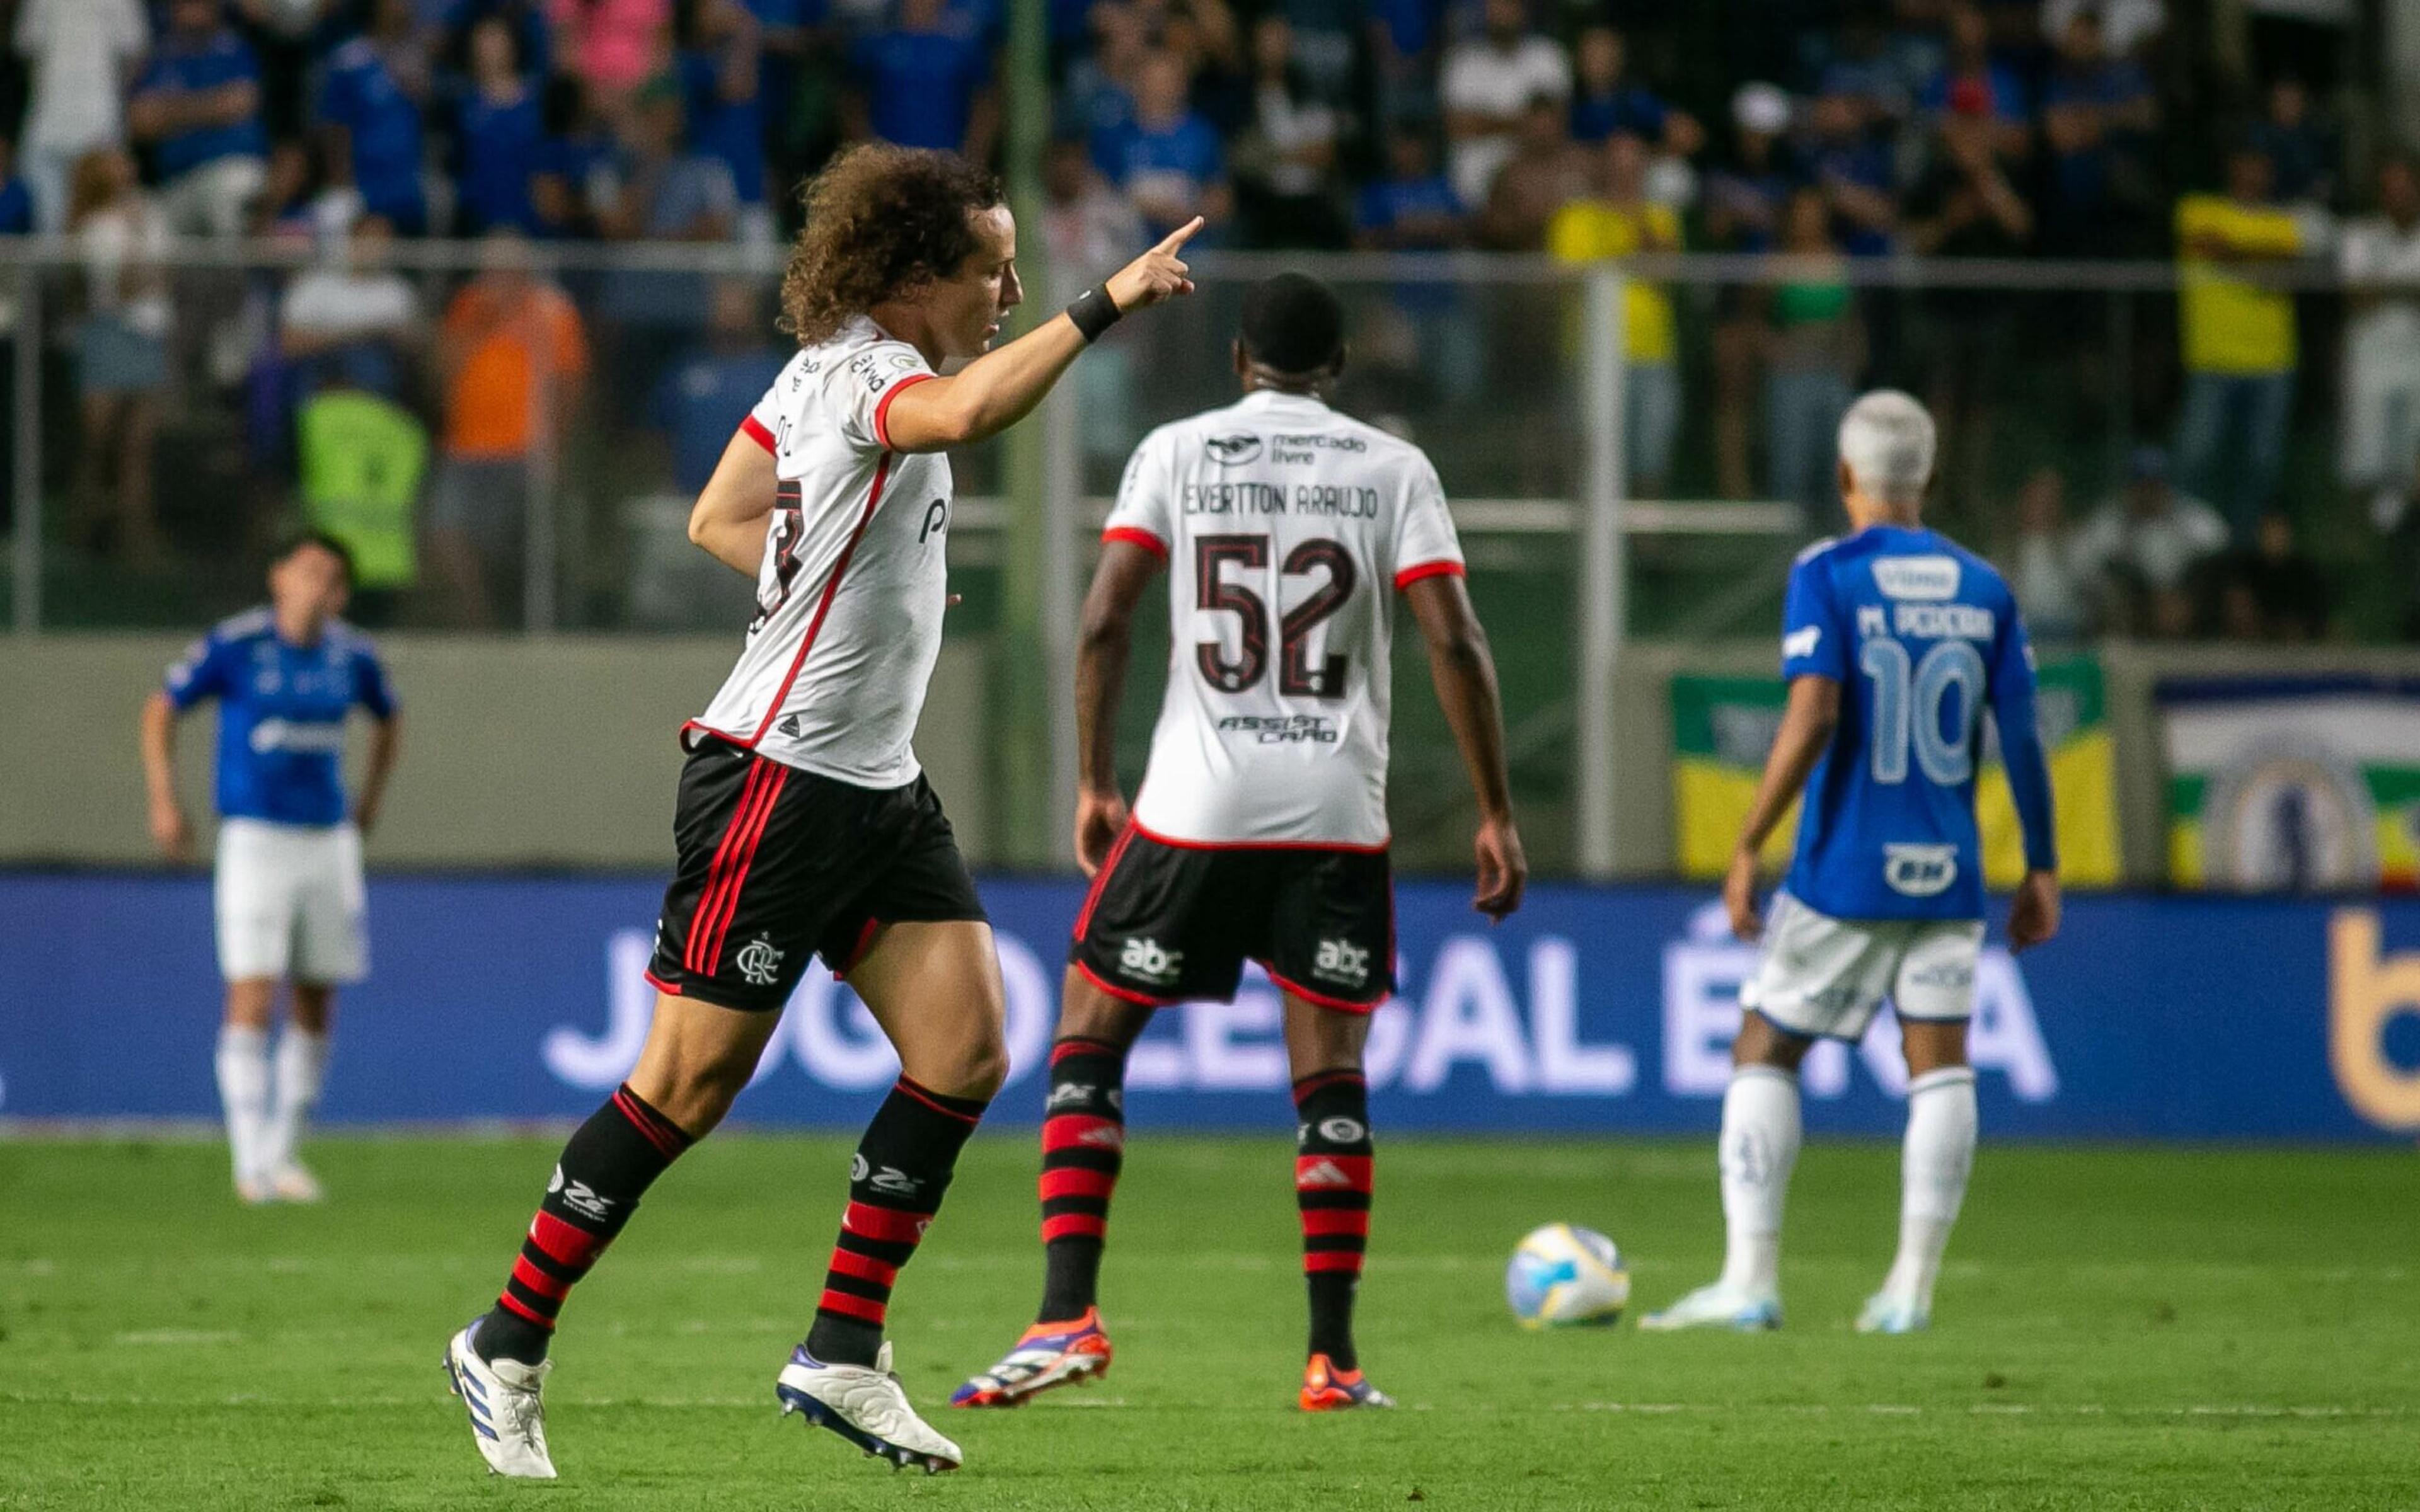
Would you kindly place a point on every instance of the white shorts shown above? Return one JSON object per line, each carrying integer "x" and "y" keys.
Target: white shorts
{"x": 1824, "y": 978}
{"x": 290, "y": 902}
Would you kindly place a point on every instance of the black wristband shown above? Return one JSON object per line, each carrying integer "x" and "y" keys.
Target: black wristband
{"x": 1093, "y": 312}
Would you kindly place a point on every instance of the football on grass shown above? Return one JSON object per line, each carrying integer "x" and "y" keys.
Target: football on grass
{"x": 1563, "y": 1275}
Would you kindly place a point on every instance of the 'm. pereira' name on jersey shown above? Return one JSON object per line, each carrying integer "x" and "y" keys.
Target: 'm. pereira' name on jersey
{"x": 282, "y": 711}
{"x": 1923, "y": 636}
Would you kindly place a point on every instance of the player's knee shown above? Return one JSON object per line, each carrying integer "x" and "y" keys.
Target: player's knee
{"x": 974, "y": 1066}
{"x": 1759, "y": 1044}
{"x": 1930, "y": 1047}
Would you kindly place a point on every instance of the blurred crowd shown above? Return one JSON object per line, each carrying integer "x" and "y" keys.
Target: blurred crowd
{"x": 1830, "y": 131}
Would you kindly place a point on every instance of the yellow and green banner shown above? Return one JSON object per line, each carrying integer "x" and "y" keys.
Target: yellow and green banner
{"x": 2293, "y": 784}
{"x": 1722, "y": 727}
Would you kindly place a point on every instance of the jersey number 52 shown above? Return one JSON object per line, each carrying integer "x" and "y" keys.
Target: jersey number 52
{"x": 1298, "y": 677}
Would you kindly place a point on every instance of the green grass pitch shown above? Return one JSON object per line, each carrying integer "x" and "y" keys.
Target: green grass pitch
{"x": 2117, "y": 1328}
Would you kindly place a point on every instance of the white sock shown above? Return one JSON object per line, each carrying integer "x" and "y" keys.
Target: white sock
{"x": 301, "y": 1069}
{"x": 1760, "y": 1145}
{"x": 243, "y": 1093}
{"x": 1939, "y": 1152}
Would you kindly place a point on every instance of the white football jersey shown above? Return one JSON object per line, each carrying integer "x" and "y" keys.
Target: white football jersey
{"x": 850, "y": 595}
{"x": 1285, "y": 526}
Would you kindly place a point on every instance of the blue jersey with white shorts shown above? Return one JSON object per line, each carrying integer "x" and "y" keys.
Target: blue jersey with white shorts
{"x": 1922, "y": 635}
{"x": 282, "y": 710}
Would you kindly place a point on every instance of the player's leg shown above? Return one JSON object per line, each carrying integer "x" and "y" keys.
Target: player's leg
{"x": 1156, "y": 928}
{"x": 1834, "y": 977}
{"x": 1334, "y": 1170}
{"x": 934, "y": 986}
{"x": 331, "y": 949}
{"x": 1330, "y": 948}
{"x": 243, "y": 1076}
{"x": 697, "y": 1057}
{"x": 251, "y": 899}
{"x": 1083, "y": 1149}
{"x": 301, "y": 1065}
{"x": 934, "y": 989}
{"x": 729, "y": 949}
{"x": 1935, "y": 996}
{"x": 1083, "y": 1140}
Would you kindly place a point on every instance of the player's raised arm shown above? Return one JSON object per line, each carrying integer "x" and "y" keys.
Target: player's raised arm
{"x": 1001, "y": 387}
{"x": 2033, "y": 916}
{"x": 1464, "y": 673}
{"x": 1102, "y": 647}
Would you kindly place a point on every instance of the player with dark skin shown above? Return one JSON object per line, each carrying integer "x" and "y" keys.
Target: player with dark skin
{"x": 1317, "y": 1039}
{"x": 1807, "y": 728}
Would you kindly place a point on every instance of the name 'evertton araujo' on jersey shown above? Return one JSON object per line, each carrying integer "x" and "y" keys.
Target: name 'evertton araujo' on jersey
{"x": 1922, "y": 635}
{"x": 855, "y": 579}
{"x": 1284, "y": 525}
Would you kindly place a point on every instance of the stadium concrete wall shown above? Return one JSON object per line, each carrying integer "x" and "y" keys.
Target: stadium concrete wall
{"x": 1593, "y": 1011}
{"x": 517, "y": 752}
{"x": 558, "y": 752}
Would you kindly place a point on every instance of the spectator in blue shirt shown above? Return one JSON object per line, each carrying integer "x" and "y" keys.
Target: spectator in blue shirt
{"x": 572, "y": 159}
{"x": 1167, "y": 159}
{"x": 926, "y": 82}
{"x": 2303, "y": 146}
{"x": 369, "y": 112}
{"x": 499, "y": 129}
{"x": 16, "y": 202}
{"x": 2098, "y": 114}
{"x": 702, "y": 401}
{"x": 1853, "y": 171}
{"x": 1604, "y": 100}
{"x": 1972, "y": 83}
{"x": 197, "y": 107}
{"x": 1413, "y": 208}
{"x": 722, "y": 82}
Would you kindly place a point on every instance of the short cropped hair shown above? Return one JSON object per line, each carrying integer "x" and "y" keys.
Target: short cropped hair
{"x": 304, "y": 540}
{"x": 1293, "y": 324}
{"x": 881, "y": 220}
{"x": 1887, "y": 440}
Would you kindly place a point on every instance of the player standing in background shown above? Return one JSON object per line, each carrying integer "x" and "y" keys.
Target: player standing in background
{"x": 1261, "y": 831}
{"x": 1885, "y": 897}
{"x": 804, "y": 824}
{"x": 288, "y": 895}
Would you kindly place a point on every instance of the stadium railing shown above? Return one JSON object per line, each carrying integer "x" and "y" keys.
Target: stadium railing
{"x": 1520, "y": 377}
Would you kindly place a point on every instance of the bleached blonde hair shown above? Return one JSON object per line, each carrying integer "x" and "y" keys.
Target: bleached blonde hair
{"x": 1888, "y": 440}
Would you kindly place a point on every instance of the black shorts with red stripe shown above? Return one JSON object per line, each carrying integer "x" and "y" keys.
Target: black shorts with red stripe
{"x": 1169, "y": 921}
{"x": 777, "y": 865}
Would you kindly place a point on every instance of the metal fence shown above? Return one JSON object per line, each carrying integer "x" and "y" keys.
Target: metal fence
{"x": 1634, "y": 449}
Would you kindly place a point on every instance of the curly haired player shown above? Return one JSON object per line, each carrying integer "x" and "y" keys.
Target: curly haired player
{"x": 804, "y": 824}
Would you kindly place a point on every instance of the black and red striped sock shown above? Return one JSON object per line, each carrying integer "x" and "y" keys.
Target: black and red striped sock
{"x": 895, "y": 1183}
{"x": 609, "y": 1162}
{"x": 1331, "y": 1187}
{"x": 1083, "y": 1145}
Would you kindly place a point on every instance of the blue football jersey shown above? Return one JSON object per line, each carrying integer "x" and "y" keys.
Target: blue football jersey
{"x": 1922, "y": 635}
{"x": 282, "y": 711}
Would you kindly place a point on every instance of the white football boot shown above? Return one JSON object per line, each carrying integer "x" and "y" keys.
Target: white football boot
{"x": 866, "y": 1406}
{"x": 1888, "y": 1313}
{"x": 1716, "y": 1307}
{"x": 507, "y": 1419}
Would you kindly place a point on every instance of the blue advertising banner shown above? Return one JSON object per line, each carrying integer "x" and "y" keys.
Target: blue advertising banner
{"x": 1593, "y": 1011}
